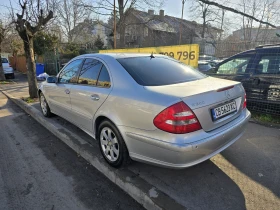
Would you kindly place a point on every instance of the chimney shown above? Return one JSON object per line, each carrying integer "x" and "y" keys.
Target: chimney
{"x": 151, "y": 12}
{"x": 161, "y": 13}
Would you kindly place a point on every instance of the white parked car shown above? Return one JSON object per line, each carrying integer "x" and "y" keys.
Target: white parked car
{"x": 8, "y": 69}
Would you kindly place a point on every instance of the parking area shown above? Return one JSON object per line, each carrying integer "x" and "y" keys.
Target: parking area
{"x": 244, "y": 176}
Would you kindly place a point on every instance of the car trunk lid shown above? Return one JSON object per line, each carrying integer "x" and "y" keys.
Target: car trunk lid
{"x": 204, "y": 95}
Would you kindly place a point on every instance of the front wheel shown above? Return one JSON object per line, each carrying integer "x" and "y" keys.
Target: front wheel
{"x": 112, "y": 145}
{"x": 44, "y": 106}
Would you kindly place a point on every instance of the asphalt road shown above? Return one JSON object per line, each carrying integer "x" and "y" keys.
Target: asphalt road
{"x": 38, "y": 171}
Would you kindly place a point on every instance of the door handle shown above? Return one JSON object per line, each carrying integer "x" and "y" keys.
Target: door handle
{"x": 94, "y": 97}
{"x": 67, "y": 91}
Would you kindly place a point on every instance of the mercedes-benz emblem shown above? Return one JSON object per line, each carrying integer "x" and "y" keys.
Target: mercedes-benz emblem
{"x": 227, "y": 94}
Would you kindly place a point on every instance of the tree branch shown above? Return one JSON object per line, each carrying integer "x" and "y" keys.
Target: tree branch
{"x": 236, "y": 11}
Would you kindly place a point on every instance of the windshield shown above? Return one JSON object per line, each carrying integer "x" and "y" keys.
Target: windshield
{"x": 4, "y": 60}
{"x": 158, "y": 71}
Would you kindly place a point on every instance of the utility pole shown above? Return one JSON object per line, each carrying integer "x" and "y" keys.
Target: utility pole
{"x": 115, "y": 26}
{"x": 182, "y": 16}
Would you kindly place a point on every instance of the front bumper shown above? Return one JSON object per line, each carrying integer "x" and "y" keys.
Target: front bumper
{"x": 178, "y": 155}
{"x": 9, "y": 75}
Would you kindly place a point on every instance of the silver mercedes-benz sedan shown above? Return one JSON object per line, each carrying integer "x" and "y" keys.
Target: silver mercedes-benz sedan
{"x": 149, "y": 108}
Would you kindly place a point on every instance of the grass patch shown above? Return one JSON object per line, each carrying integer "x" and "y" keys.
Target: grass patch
{"x": 30, "y": 100}
{"x": 5, "y": 82}
{"x": 267, "y": 118}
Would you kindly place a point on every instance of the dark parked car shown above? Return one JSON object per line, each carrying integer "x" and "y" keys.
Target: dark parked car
{"x": 204, "y": 66}
{"x": 259, "y": 71}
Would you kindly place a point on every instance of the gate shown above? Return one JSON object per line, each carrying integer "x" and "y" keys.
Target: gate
{"x": 51, "y": 62}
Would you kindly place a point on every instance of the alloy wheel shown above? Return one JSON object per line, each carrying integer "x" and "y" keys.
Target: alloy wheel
{"x": 109, "y": 144}
{"x": 43, "y": 104}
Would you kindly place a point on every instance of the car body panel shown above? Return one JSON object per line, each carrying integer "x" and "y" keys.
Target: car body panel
{"x": 58, "y": 100}
{"x": 84, "y": 106}
{"x": 132, "y": 108}
{"x": 155, "y": 148}
{"x": 203, "y": 95}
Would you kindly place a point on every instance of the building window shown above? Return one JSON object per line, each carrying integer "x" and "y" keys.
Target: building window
{"x": 146, "y": 32}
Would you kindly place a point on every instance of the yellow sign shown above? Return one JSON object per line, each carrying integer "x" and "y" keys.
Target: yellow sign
{"x": 187, "y": 54}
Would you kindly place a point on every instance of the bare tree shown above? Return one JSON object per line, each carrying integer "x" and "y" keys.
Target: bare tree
{"x": 264, "y": 10}
{"x": 123, "y": 10}
{"x": 27, "y": 23}
{"x": 236, "y": 11}
{"x": 69, "y": 14}
{"x": 207, "y": 13}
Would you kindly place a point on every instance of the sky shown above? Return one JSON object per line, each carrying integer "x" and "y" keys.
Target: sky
{"x": 171, "y": 7}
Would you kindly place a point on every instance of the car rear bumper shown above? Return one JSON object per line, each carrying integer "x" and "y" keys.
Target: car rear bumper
{"x": 9, "y": 75}
{"x": 8, "y": 70}
{"x": 177, "y": 155}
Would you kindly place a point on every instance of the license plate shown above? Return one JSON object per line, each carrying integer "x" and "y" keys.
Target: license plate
{"x": 223, "y": 110}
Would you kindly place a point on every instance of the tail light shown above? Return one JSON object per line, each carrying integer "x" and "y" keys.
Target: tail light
{"x": 245, "y": 102}
{"x": 10, "y": 65}
{"x": 178, "y": 119}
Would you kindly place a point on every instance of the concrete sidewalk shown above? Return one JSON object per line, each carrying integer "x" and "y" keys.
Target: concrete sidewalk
{"x": 245, "y": 176}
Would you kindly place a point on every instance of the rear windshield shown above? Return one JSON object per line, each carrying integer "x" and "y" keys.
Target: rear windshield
{"x": 158, "y": 71}
{"x": 4, "y": 60}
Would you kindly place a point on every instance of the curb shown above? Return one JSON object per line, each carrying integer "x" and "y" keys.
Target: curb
{"x": 144, "y": 193}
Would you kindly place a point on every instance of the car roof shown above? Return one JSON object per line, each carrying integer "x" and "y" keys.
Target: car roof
{"x": 119, "y": 55}
{"x": 260, "y": 48}
{"x": 203, "y": 62}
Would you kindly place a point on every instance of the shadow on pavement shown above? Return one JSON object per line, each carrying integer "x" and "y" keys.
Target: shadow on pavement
{"x": 91, "y": 187}
{"x": 257, "y": 156}
{"x": 203, "y": 186}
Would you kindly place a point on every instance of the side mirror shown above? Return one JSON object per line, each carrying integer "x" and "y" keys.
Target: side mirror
{"x": 52, "y": 79}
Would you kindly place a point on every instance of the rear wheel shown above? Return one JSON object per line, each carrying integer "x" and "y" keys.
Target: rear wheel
{"x": 44, "y": 106}
{"x": 112, "y": 145}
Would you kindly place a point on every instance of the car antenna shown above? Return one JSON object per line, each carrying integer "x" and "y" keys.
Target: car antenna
{"x": 152, "y": 55}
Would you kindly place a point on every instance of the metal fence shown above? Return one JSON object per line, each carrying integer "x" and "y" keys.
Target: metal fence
{"x": 258, "y": 70}
{"x": 54, "y": 60}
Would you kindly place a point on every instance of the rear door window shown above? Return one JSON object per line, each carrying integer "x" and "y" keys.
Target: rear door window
{"x": 234, "y": 66}
{"x": 104, "y": 78}
{"x": 158, "y": 71}
{"x": 269, "y": 64}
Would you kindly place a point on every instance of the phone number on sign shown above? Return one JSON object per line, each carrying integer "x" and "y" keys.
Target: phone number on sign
{"x": 184, "y": 55}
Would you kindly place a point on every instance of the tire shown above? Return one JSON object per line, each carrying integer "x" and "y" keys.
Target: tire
{"x": 113, "y": 144}
{"x": 44, "y": 106}
{"x": 13, "y": 76}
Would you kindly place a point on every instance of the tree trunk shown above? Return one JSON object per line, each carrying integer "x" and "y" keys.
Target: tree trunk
{"x": 204, "y": 23}
{"x": 2, "y": 75}
{"x": 121, "y": 24}
{"x": 31, "y": 68}
{"x": 122, "y": 36}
